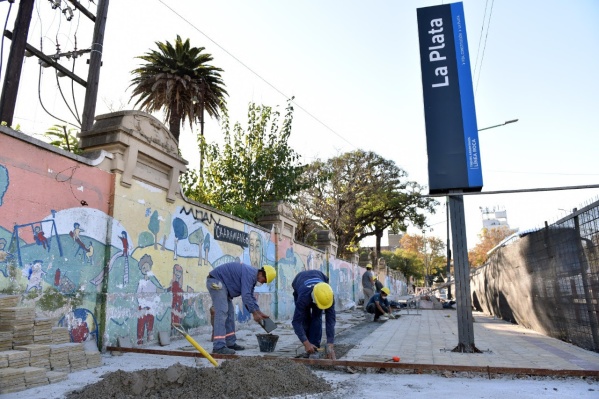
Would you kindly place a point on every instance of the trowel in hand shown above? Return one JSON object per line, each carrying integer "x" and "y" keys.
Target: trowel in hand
{"x": 267, "y": 324}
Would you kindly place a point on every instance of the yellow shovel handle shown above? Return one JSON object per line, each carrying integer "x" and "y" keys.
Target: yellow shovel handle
{"x": 195, "y": 344}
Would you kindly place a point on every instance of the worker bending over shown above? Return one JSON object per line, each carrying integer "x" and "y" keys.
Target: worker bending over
{"x": 229, "y": 281}
{"x": 312, "y": 294}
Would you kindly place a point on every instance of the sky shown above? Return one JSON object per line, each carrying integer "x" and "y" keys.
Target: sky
{"x": 354, "y": 70}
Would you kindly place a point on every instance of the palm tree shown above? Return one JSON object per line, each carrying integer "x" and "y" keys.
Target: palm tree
{"x": 179, "y": 79}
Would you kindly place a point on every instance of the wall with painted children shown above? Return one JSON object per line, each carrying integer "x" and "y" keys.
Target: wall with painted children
{"x": 106, "y": 245}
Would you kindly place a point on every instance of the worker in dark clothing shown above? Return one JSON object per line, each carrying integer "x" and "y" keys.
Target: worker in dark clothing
{"x": 226, "y": 282}
{"x": 379, "y": 305}
{"x": 312, "y": 294}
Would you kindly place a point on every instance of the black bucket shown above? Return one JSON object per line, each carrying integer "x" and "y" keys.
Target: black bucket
{"x": 267, "y": 342}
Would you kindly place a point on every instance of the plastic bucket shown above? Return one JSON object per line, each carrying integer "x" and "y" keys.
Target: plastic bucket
{"x": 267, "y": 342}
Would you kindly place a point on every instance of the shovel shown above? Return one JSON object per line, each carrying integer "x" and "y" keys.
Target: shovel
{"x": 267, "y": 324}
{"x": 192, "y": 341}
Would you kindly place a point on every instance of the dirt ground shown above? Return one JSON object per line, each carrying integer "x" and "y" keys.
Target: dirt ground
{"x": 250, "y": 377}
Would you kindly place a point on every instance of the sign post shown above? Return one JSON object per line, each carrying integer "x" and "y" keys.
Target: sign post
{"x": 454, "y": 164}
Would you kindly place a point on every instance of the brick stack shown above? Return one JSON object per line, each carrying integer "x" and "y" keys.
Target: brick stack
{"x": 93, "y": 358}
{"x": 35, "y": 377}
{"x": 77, "y": 359}
{"x": 12, "y": 380}
{"x": 19, "y": 321}
{"x": 59, "y": 357}
{"x": 33, "y": 352}
{"x": 42, "y": 330}
{"x": 60, "y": 335}
{"x": 39, "y": 355}
{"x": 5, "y": 340}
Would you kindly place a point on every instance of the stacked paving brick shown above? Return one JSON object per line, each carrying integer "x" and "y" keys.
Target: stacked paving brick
{"x": 33, "y": 352}
{"x": 19, "y": 321}
{"x": 42, "y": 330}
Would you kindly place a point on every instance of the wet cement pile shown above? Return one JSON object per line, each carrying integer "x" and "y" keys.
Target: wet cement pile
{"x": 249, "y": 377}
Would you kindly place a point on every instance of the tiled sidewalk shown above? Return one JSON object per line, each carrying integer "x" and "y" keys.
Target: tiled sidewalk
{"x": 429, "y": 337}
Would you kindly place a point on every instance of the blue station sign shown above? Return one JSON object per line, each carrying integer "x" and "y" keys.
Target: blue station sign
{"x": 451, "y": 131}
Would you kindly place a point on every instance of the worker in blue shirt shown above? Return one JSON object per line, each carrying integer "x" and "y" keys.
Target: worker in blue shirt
{"x": 379, "y": 305}
{"x": 226, "y": 282}
{"x": 312, "y": 294}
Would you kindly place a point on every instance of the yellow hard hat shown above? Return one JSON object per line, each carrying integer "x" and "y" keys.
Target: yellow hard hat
{"x": 270, "y": 273}
{"x": 369, "y": 266}
{"x": 385, "y": 290}
{"x": 323, "y": 295}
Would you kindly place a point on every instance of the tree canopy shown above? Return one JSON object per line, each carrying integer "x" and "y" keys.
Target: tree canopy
{"x": 489, "y": 239}
{"x": 179, "y": 80}
{"x": 254, "y": 165}
{"x": 360, "y": 194}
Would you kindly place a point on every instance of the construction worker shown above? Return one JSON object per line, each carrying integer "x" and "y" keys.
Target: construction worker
{"x": 312, "y": 294}
{"x": 379, "y": 305}
{"x": 226, "y": 282}
{"x": 367, "y": 284}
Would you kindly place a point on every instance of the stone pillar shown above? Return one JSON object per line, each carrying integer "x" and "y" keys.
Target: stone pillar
{"x": 142, "y": 148}
{"x": 325, "y": 241}
{"x": 278, "y": 214}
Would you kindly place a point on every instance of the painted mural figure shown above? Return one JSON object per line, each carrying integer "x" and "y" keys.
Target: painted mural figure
{"x": 89, "y": 253}
{"x": 125, "y": 254}
{"x": 255, "y": 249}
{"x": 35, "y": 275}
{"x": 40, "y": 238}
{"x": 77, "y": 230}
{"x": 125, "y": 243}
{"x": 147, "y": 288}
{"x": 176, "y": 289}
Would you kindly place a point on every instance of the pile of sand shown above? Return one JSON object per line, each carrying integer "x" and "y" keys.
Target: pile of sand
{"x": 247, "y": 377}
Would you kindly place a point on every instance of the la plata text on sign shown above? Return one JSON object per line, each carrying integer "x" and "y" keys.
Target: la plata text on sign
{"x": 435, "y": 54}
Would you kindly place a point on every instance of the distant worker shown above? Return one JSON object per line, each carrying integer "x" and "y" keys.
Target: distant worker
{"x": 312, "y": 294}
{"x": 367, "y": 284}
{"x": 379, "y": 305}
{"x": 229, "y": 281}
{"x": 377, "y": 284}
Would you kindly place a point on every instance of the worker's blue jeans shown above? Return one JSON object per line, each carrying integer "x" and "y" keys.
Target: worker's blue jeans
{"x": 224, "y": 315}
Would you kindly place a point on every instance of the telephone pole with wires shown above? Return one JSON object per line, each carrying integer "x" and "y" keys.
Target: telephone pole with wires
{"x": 20, "y": 48}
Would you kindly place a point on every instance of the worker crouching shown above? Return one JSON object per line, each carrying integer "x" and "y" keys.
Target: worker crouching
{"x": 312, "y": 295}
{"x": 379, "y": 305}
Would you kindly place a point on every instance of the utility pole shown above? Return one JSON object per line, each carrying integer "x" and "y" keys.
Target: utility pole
{"x": 95, "y": 62}
{"x": 14, "y": 64}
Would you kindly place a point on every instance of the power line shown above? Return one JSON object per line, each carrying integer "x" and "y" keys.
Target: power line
{"x": 257, "y": 75}
{"x": 484, "y": 47}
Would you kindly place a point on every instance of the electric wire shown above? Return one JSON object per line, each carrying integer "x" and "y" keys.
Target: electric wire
{"x": 39, "y": 94}
{"x": 258, "y": 75}
{"x": 484, "y": 47}
{"x": 480, "y": 38}
{"x": 65, "y": 100}
{"x": 2, "y": 45}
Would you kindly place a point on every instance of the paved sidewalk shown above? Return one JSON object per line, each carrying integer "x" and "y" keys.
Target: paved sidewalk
{"x": 427, "y": 337}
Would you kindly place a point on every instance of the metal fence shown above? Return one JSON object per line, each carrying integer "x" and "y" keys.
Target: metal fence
{"x": 547, "y": 280}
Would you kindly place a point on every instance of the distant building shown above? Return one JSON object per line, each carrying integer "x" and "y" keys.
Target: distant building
{"x": 494, "y": 218}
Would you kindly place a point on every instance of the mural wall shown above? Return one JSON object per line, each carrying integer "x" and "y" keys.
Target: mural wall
{"x": 112, "y": 261}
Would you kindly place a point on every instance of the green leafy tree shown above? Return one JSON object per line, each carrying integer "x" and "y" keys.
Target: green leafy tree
{"x": 405, "y": 262}
{"x": 66, "y": 139}
{"x": 429, "y": 250}
{"x": 179, "y": 80}
{"x": 360, "y": 194}
{"x": 254, "y": 165}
